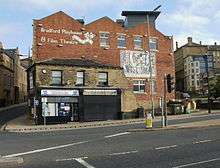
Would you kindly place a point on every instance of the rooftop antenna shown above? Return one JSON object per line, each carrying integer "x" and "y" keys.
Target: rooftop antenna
{"x": 29, "y": 52}
{"x": 157, "y": 8}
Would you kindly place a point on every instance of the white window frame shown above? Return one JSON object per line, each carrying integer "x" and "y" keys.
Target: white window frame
{"x": 52, "y": 76}
{"x": 119, "y": 38}
{"x": 106, "y": 37}
{"x": 140, "y": 40}
{"x": 80, "y": 77}
{"x": 102, "y": 80}
{"x": 140, "y": 82}
{"x": 151, "y": 41}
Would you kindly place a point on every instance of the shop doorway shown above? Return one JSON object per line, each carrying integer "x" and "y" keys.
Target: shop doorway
{"x": 74, "y": 112}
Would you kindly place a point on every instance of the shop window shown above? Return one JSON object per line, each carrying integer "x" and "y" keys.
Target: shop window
{"x": 121, "y": 41}
{"x": 137, "y": 42}
{"x": 103, "y": 79}
{"x": 55, "y": 109}
{"x": 104, "y": 39}
{"x": 56, "y": 77}
{"x": 80, "y": 78}
{"x": 139, "y": 86}
{"x": 153, "y": 44}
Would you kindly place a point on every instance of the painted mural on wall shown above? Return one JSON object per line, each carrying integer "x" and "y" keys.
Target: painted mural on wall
{"x": 74, "y": 37}
{"x": 137, "y": 63}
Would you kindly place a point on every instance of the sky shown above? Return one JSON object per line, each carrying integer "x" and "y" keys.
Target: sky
{"x": 199, "y": 19}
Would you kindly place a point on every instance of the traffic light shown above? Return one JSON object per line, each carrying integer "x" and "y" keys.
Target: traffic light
{"x": 170, "y": 83}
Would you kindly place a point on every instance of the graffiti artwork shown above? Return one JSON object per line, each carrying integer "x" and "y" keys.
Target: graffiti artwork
{"x": 137, "y": 63}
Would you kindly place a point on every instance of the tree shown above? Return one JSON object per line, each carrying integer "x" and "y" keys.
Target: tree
{"x": 215, "y": 87}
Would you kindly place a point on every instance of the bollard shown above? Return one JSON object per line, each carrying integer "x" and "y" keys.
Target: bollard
{"x": 149, "y": 120}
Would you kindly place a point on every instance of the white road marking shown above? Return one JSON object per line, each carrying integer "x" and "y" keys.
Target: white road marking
{"x": 119, "y": 134}
{"x": 68, "y": 159}
{"x": 123, "y": 153}
{"x": 203, "y": 141}
{"x": 84, "y": 163}
{"x": 166, "y": 147}
{"x": 196, "y": 163}
{"x": 45, "y": 149}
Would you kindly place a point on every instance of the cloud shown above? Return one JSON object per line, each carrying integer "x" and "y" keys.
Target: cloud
{"x": 195, "y": 19}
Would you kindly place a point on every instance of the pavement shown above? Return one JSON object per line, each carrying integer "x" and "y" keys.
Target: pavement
{"x": 23, "y": 124}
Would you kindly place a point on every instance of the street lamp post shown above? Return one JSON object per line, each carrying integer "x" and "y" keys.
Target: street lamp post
{"x": 205, "y": 58}
{"x": 151, "y": 85}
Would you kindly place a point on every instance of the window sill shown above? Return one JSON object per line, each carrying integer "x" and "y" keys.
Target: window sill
{"x": 135, "y": 92}
{"x": 140, "y": 49}
{"x": 104, "y": 46}
{"x": 154, "y": 50}
{"x": 122, "y": 47}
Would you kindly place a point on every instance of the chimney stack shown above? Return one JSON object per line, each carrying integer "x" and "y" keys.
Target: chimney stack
{"x": 215, "y": 43}
{"x": 200, "y": 42}
{"x": 189, "y": 40}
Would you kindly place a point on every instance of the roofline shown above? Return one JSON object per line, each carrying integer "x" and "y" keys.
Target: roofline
{"x": 190, "y": 46}
{"x": 87, "y": 66}
{"x": 126, "y": 13}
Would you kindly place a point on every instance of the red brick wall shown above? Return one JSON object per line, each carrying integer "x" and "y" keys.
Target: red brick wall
{"x": 164, "y": 56}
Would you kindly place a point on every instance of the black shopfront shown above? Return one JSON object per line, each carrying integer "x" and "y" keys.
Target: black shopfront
{"x": 61, "y": 105}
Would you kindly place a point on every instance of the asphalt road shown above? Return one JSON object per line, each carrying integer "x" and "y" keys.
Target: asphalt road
{"x": 113, "y": 147}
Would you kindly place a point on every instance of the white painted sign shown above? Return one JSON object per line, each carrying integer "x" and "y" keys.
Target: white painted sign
{"x": 137, "y": 63}
{"x": 56, "y": 92}
{"x": 100, "y": 92}
{"x": 74, "y": 37}
{"x": 43, "y": 99}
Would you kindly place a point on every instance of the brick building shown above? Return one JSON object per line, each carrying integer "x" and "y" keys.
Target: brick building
{"x": 129, "y": 44}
